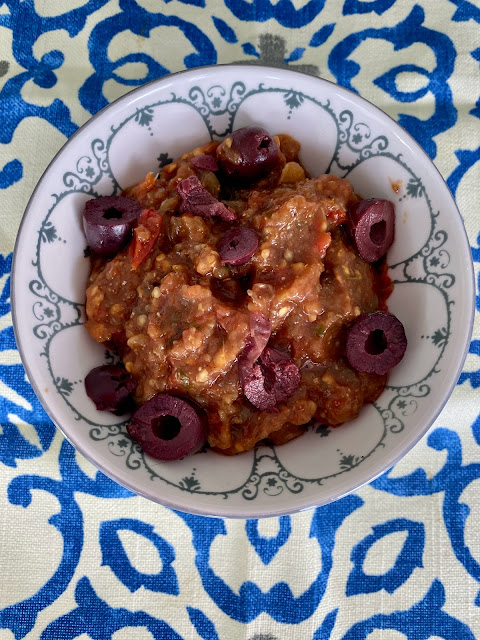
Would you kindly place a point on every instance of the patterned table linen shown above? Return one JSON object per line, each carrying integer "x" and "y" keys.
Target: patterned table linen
{"x": 81, "y": 557}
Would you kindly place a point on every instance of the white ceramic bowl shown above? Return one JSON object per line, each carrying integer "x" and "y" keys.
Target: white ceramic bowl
{"x": 340, "y": 133}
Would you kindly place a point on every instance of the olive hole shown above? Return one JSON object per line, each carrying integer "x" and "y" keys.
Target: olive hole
{"x": 376, "y": 343}
{"x": 377, "y": 232}
{"x": 269, "y": 378}
{"x": 233, "y": 244}
{"x": 264, "y": 144}
{"x": 166, "y": 427}
{"x": 112, "y": 213}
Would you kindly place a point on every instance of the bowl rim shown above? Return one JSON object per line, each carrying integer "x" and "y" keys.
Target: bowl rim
{"x": 253, "y": 513}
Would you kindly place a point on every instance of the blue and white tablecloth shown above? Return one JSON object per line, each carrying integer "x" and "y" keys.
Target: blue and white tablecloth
{"x": 81, "y": 557}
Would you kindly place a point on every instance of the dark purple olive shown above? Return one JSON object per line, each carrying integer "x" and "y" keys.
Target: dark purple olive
{"x": 110, "y": 387}
{"x": 271, "y": 380}
{"x": 254, "y": 385}
{"x": 231, "y": 290}
{"x": 108, "y": 222}
{"x": 200, "y": 202}
{"x": 168, "y": 427}
{"x": 248, "y": 154}
{"x": 372, "y": 226}
{"x": 205, "y": 162}
{"x": 376, "y": 343}
{"x": 260, "y": 332}
{"x": 283, "y": 371}
{"x": 237, "y": 246}
{"x": 249, "y": 371}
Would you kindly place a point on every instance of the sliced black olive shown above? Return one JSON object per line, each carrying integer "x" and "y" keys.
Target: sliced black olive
{"x": 372, "y": 226}
{"x": 270, "y": 379}
{"x": 110, "y": 388}
{"x": 376, "y": 343}
{"x": 248, "y": 153}
{"x": 168, "y": 427}
{"x": 237, "y": 246}
{"x": 108, "y": 222}
{"x": 200, "y": 202}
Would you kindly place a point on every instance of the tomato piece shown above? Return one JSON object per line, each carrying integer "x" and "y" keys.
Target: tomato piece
{"x": 145, "y": 236}
{"x": 383, "y": 284}
{"x": 322, "y": 242}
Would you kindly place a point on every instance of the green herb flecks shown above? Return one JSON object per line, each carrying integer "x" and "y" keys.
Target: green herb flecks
{"x": 320, "y": 331}
{"x": 184, "y": 379}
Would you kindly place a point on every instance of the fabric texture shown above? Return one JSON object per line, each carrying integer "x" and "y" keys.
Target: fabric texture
{"x": 81, "y": 557}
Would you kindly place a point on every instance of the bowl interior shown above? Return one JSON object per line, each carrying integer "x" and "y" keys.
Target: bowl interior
{"x": 339, "y": 133}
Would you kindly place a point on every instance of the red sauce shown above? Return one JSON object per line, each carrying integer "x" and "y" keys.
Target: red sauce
{"x": 180, "y": 318}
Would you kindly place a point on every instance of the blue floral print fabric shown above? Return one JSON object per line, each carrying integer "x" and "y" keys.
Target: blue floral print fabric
{"x": 82, "y": 557}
